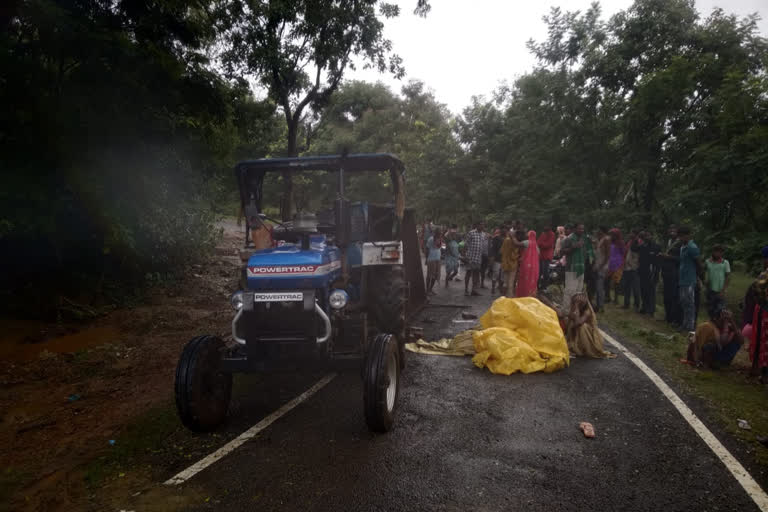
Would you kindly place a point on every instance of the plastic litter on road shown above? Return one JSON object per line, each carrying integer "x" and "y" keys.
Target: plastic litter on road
{"x": 588, "y": 429}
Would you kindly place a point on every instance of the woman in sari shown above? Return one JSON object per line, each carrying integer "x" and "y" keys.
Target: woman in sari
{"x": 528, "y": 268}
{"x": 716, "y": 342}
{"x": 756, "y": 316}
{"x": 615, "y": 264}
{"x": 582, "y": 334}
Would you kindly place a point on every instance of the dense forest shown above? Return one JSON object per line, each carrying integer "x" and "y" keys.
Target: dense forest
{"x": 124, "y": 119}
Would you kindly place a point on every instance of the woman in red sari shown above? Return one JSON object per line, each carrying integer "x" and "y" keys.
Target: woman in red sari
{"x": 756, "y": 314}
{"x": 528, "y": 268}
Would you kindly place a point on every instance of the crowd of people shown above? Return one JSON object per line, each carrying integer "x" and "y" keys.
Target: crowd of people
{"x": 607, "y": 266}
{"x": 511, "y": 260}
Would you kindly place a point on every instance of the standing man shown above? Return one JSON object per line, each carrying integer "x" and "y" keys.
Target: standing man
{"x": 689, "y": 253}
{"x": 495, "y": 258}
{"x": 602, "y": 256}
{"x": 575, "y": 250}
{"x": 630, "y": 280}
{"x": 718, "y": 271}
{"x": 647, "y": 271}
{"x": 434, "y": 243}
{"x": 546, "y": 245}
{"x": 474, "y": 241}
{"x": 485, "y": 259}
{"x": 451, "y": 255}
{"x": 670, "y": 273}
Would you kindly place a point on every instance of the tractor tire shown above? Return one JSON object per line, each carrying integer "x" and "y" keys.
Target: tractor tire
{"x": 202, "y": 391}
{"x": 381, "y": 385}
{"x": 387, "y": 296}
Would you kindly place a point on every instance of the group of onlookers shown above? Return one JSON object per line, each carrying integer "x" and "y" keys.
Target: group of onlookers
{"x": 513, "y": 260}
{"x": 598, "y": 269}
{"x": 717, "y": 341}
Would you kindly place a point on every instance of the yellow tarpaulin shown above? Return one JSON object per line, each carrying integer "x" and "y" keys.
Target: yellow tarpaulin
{"x": 461, "y": 345}
{"x": 520, "y": 335}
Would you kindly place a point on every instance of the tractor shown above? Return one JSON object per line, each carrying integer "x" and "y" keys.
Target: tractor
{"x": 333, "y": 290}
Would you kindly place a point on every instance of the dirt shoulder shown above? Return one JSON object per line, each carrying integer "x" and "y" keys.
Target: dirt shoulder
{"x": 70, "y": 391}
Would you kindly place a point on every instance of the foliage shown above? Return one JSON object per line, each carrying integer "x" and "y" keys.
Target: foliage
{"x": 367, "y": 117}
{"x": 299, "y": 51}
{"x": 118, "y": 129}
{"x": 651, "y": 117}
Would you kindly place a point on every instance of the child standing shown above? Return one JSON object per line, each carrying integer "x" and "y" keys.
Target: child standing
{"x": 718, "y": 271}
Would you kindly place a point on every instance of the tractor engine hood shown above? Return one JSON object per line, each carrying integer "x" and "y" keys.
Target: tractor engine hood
{"x": 288, "y": 267}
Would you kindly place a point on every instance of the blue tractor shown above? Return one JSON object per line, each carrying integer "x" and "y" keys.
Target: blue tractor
{"x": 334, "y": 293}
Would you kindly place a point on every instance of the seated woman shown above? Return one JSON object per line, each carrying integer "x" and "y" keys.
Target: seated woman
{"x": 716, "y": 341}
{"x": 584, "y": 338}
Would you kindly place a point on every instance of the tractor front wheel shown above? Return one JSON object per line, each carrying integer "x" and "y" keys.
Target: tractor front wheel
{"x": 202, "y": 390}
{"x": 381, "y": 386}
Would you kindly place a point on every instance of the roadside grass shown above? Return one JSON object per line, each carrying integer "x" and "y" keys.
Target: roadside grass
{"x": 157, "y": 441}
{"x": 729, "y": 394}
{"x": 142, "y": 437}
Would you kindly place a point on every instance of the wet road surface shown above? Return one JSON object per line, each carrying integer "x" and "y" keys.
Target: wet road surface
{"x": 469, "y": 440}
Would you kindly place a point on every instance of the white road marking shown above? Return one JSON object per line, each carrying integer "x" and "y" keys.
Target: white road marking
{"x": 734, "y": 466}
{"x": 248, "y": 434}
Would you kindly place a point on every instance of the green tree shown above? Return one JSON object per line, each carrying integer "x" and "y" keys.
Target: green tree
{"x": 299, "y": 51}
{"x": 118, "y": 128}
{"x": 415, "y": 127}
{"x": 652, "y": 116}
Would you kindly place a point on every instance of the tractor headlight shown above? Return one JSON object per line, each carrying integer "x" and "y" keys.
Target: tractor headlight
{"x": 338, "y": 299}
{"x": 237, "y": 301}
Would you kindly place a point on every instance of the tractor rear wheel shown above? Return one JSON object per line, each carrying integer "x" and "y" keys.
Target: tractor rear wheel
{"x": 202, "y": 391}
{"x": 387, "y": 298}
{"x": 381, "y": 386}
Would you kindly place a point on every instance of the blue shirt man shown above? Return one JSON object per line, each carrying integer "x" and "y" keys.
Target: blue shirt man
{"x": 689, "y": 253}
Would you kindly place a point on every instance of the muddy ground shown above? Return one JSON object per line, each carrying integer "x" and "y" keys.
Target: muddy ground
{"x": 67, "y": 390}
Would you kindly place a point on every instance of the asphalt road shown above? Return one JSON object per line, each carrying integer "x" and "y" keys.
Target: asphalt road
{"x": 469, "y": 440}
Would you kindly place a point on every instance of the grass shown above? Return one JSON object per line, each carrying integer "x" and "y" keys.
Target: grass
{"x": 728, "y": 394}
{"x": 139, "y": 438}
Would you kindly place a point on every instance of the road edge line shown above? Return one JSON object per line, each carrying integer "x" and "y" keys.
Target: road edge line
{"x": 231, "y": 446}
{"x": 738, "y": 471}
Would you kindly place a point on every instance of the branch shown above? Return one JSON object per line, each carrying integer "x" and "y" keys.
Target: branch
{"x": 309, "y": 97}
{"x": 336, "y": 79}
{"x": 298, "y": 53}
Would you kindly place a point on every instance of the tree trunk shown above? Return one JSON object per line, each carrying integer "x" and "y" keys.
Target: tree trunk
{"x": 650, "y": 188}
{"x": 286, "y": 205}
{"x": 653, "y": 164}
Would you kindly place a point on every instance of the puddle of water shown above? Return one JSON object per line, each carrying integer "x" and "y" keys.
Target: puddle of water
{"x": 18, "y": 341}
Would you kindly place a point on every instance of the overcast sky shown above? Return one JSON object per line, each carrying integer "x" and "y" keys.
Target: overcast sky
{"x": 466, "y": 47}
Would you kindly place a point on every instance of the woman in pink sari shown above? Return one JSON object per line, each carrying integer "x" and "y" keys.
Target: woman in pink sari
{"x": 528, "y": 268}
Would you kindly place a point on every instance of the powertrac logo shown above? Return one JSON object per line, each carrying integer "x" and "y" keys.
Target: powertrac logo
{"x": 299, "y": 269}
